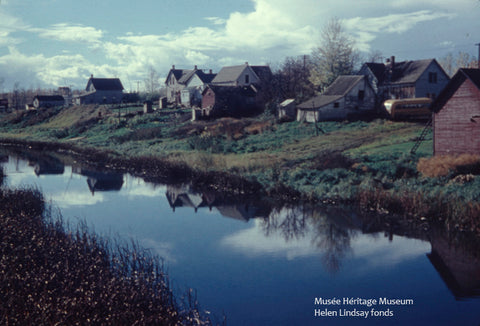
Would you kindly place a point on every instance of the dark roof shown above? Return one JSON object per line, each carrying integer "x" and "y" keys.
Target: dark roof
{"x": 338, "y": 89}
{"x": 188, "y": 74}
{"x": 342, "y": 85}
{"x": 405, "y": 72}
{"x": 50, "y": 98}
{"x": 457, "y": 80}
{"x": 184, "y": 75}
{"x": 106, "y": 84}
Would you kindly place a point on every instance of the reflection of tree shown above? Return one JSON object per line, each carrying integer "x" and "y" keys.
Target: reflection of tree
{"x": 334, "y": 240}
{"x": 290, "y": 222}
{"x": 331, "y": 235}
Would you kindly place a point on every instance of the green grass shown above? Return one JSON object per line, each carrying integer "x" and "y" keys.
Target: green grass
{"x": 330, "y": 160}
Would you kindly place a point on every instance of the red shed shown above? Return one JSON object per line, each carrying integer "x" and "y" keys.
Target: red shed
{"x": 456, "y": 118}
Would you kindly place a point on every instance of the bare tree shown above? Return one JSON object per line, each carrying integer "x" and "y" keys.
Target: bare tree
{"x": 451, "y": 63}
{"x": 336, "y": 55}
{"x": 152, "y": 83}
{"x": 292, "y": 79}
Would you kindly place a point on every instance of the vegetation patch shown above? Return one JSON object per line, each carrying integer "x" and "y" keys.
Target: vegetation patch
{"x": 53, "y": 276}
{"x": 443, "y": 165}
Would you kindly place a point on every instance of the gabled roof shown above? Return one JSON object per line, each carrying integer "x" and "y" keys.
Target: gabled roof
{"x": 106, "y": 84}
{"x": 338, "y": 89}
{"x": 232, "y": 73}
{"x": 343, "y": 84}
{"x": 229, "y": 74}
{"x": 183, "y": 76}
{"x": 405, "y": 72}
{"x": 457, "y": 80}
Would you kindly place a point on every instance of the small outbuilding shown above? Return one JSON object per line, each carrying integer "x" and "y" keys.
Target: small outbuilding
{"x": 456, "y": 118}
{"x": 47, "y": 101}
{"x": 287, "y": 110}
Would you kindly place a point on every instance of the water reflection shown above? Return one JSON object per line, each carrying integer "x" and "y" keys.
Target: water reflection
{"x": 332, "y": 236}
{"x": 458, "y": 268}
{"x": 100, "y": 181}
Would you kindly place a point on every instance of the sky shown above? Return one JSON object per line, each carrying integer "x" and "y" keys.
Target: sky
{"x": 53, "y": 43}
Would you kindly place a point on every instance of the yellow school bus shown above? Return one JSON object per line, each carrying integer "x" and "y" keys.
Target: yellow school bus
{"x": 409, "y": 108}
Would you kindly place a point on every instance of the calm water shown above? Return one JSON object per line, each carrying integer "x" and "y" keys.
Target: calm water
{"x": 261, "y": 265}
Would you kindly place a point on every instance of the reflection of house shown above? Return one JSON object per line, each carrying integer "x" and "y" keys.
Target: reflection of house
{"x": 183, "y": 196}
{"x": 47, "y": 101}
{"x": 456, "y": 118}
{"x": 102, "y": 91}
{"x": 185, "y": 86}
{"x": 101, "y": 181}
{"x": 407, "y": 79}
{"x": 47, "y": 165}
{"x": 347, "y": 96}
{"x": 242, "y": 212}
{"x": 459, "y": 269}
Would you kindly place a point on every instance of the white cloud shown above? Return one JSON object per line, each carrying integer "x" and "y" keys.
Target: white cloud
{"x": 273, "y": 30}
{"x": 216, "y": 20}
{"x": 367, "y": 29}
{"x": 70, "y": 33}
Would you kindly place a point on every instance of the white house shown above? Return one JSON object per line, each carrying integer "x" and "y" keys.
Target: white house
{"x": 348, "y": 96}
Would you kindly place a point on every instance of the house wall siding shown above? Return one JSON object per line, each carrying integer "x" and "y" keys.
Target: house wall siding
{"x": 425, "y": 88}
{"x": 457, "y": 124}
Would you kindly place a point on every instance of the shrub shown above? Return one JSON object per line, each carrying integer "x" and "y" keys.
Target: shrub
{"x": 442, "y": 165}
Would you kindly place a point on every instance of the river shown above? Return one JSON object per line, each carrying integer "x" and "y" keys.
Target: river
{"x": 261, "y": 264}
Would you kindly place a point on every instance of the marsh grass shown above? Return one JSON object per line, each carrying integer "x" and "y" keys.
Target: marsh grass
{"x": 443, "y": 165}
{"x": 50, "y": 275}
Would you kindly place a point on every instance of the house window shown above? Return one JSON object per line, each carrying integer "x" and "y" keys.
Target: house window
{"x": 361, "y": 95}
{"x": 336, "y": 105}
{"x": 247, "y": 79}
{"x": 432, "y": 77}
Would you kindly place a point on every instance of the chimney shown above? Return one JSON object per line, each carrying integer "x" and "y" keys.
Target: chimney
{"x": 195, "y": 68}
{"x": 91, "y": 76}
{"x": 173, "y": 66}
{"x": 246, "y": 63}
{"x": 392, "y": 61}
{"x": 210, "y": 71}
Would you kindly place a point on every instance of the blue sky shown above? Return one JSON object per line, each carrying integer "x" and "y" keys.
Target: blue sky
{"x": 51, "y": 43}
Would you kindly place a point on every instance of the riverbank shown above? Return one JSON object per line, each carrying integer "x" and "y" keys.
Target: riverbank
{"x": 52, "y": 275}
{"x": 365, "y": 164}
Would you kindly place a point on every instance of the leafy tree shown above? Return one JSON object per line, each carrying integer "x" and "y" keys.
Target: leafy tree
{"x": 336, "y": 55}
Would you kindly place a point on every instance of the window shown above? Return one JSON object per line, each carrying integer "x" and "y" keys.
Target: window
{"x": 361, "y": 95}
{"x": 247, "y": 79}
{"x": 432, "y": 77}
{"x": 336, "y": 105}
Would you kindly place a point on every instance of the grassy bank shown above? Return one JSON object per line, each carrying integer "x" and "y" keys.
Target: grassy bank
{"x": 53, "y": 276}
{"x": 363, "y": 163}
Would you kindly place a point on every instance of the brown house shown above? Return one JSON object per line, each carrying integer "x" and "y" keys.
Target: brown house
{"x": 228, "y": 101}
{"x": 456, "y": 118}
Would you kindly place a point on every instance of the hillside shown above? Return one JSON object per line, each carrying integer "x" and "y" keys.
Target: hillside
{"x": 366, "y": 163}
